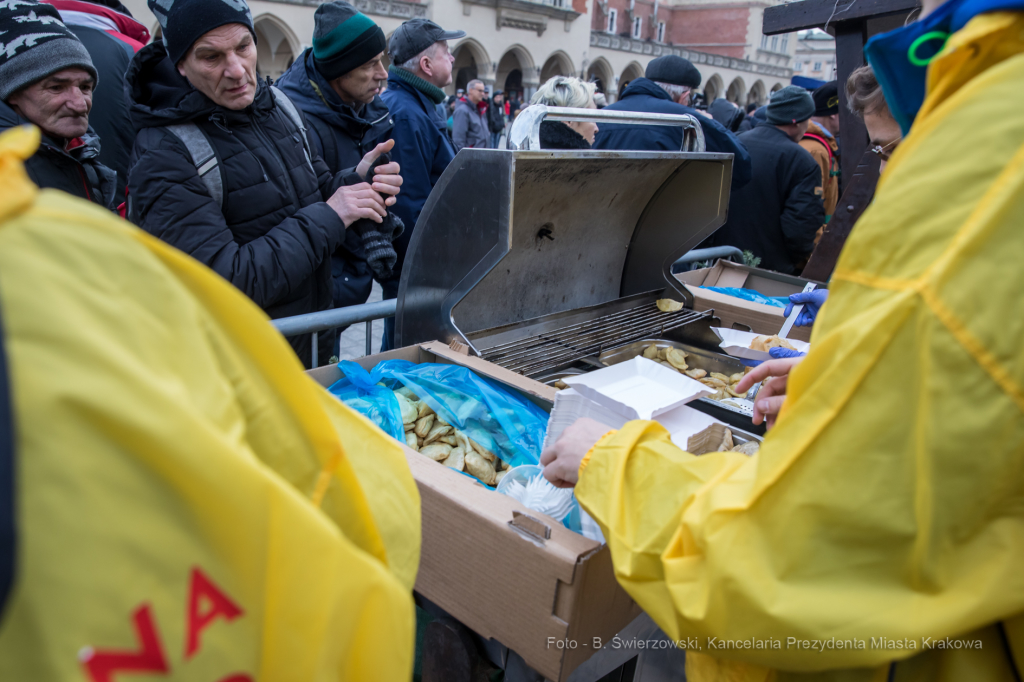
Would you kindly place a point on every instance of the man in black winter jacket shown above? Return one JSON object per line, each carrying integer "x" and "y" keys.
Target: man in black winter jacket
{"x": 221, "y": 169}
{"x": 47, "y": 79}
{"x": 336, "y": 84}
{"x": 777, "y": 214}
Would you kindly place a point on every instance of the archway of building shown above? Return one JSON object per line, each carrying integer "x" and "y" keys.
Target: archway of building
{"x": 471, "y": 61}
{"x": 600, "y": 72}
{"x": 713, "y": 88}
{"x": 757, "y": 94}
{"x": 276, "y": 46}
{"x": 737, "y": 92}
{"x": 514, "y": 70}
{"x": 776, "y": 87}
{"x": 558, "y": 64}
{"x": 629, "y": 74}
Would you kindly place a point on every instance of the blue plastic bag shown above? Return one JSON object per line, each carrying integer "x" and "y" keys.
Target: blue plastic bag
{"x": 508, "y": 425}
{"x": 752, "y": 296}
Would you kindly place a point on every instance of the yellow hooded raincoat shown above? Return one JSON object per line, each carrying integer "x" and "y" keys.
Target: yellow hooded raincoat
{"x": 190, "y": 505}
{"x": 885, "y": 511}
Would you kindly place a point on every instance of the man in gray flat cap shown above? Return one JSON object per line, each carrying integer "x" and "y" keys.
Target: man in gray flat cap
{"x": 777, "y": 215}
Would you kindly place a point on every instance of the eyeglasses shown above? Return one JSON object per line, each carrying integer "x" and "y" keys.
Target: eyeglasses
{"x": 885, "y": 152}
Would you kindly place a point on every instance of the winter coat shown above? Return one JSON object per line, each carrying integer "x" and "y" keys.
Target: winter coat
{"x": 73, "y": 168}
{"x": 469, "y": 127}
{"x": 496, "y": 117}
{"x": 644, "y": 95}
{"x": 886, "y": 502}
{"x": 112, "y": 38}
{"x": 275, "y": 234}
{"x": 824, "y": 149}
{"x": 342, "y": 136}
{"x": 723, "y": 111}
{"x": 422, "y": 149}
{"x": 777, "y": 215}
{"x": 557, "y": 135}
{"x": 170, "y": 452}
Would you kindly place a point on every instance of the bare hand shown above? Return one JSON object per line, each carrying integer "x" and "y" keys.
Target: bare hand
{"x": 386, "y": 178}
{"x": 772, "y": 395}
{"x": 355, "y": 202}
{"x": 561, "y": 461}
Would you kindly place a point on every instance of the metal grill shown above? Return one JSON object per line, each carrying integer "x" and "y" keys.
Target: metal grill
{"x": 549, "y": 351}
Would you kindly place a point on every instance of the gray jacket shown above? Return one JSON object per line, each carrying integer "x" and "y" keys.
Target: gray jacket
{"x": 469, "y": 126}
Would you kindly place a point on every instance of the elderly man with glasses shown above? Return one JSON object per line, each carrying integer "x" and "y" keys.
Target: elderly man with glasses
{"x": 470, "y": 123}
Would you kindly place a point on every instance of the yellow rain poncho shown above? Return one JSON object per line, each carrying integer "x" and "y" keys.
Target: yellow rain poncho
{"x": 190, "y": 506}
{"x": 886, "y": 508}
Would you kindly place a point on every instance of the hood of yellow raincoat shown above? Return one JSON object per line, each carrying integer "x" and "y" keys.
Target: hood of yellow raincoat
{"x": 188, "y": 502}
{"x": 884, "y": 512}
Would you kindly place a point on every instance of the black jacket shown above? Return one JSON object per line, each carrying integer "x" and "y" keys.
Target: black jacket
{"x": 342, "y": 136}
{"x": 557, "y": 135}
{"x": 109, "y": 115}
{"x": 496, "y": 116}
{"x": 645, "y": 95}
{"x": 725, "y": 113}
{"x": 275, "y": 234}
{"x": 778, "y": 213}
{"x": 76, "y": 171}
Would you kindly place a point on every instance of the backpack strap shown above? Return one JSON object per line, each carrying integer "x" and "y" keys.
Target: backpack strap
{"x": 285, "y": 104}
{"x": 825, "y": 144}
{"x": 328, "y": 142}
{"x": 203, "y": 156}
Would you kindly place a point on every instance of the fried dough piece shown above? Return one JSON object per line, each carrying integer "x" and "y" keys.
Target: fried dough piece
{"x": 650, "y": 352}
{"x": 748, "y": 448}
{"x": 721, "y": 377}
{"x": 667, "y": 305}
{"x": 424, "y": 410}
{"x": 437, "y": 431}
{"x": 423, "y": 425}
{"x": 696, "y": 373}
{"x": 482, "y": 451}
{"x": 677, "y": 359}
{"x": 500, "y": 475}
{"x": 726, "y": 443}
{"x": 412, "y": 441}
{"x": 436, "y": 451}
{"x": 764, "y": 343}
{"x": 714, "y": 383}
{"x": 408, "y": 410}
{"x": 456, "y": 460}
{"x": 481, "y": 468}
{"x": 736, "y": 377}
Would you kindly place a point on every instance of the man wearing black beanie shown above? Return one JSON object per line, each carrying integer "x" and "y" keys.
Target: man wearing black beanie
{"x": 336, "y": 84}
{"x": 223, "y": 168}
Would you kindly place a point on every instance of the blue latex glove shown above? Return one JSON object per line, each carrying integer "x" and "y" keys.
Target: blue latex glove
{"x": 779, "y": 353}
{"x": 749, "y": 363}
{"x": 812, "y": 302}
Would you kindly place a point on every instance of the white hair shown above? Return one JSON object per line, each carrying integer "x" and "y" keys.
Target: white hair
{"x": 565, "y": 91}
{"x": 414, "y": 63}
{"x": 674, "y": 91}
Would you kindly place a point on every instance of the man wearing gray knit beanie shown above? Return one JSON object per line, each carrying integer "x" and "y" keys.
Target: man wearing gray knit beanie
{"x": 777, "y": 215}
{"x": 47, "y": 79}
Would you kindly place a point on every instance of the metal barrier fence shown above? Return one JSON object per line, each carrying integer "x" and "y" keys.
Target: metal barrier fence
{"x": 313, "y": 323}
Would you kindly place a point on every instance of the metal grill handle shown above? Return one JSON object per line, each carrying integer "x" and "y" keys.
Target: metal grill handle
{"x": 525, "y": 131}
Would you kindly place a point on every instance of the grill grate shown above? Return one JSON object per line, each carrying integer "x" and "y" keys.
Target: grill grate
{"x": 537, "y": 355}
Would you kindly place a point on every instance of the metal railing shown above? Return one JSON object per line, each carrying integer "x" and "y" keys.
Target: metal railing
{"x": 314, "y": 323}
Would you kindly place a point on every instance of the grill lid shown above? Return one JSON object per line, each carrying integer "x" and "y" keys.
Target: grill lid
{"x": 514, "y": 235}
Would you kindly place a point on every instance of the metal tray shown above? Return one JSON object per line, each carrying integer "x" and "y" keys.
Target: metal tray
{"x": 737, "y": 413}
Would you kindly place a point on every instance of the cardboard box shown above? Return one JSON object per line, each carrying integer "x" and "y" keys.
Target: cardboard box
{"x": 505, "y": 571}
{"x": 737, "y": 313}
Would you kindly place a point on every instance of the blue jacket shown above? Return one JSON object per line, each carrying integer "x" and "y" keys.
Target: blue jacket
{"x": 342, "y": 136}
{"x": 643, "y": 95}
{"x": 422, "y": 148}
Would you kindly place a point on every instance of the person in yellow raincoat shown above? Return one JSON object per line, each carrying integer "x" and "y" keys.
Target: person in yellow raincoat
{"x": 189, "y": 505}
{"x": 879, "y": 532}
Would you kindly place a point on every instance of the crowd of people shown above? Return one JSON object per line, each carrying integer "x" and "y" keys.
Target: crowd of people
{"x": 172, "y": 460}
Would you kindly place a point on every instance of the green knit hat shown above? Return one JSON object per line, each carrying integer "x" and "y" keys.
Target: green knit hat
{"x": 344, "y": 39}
